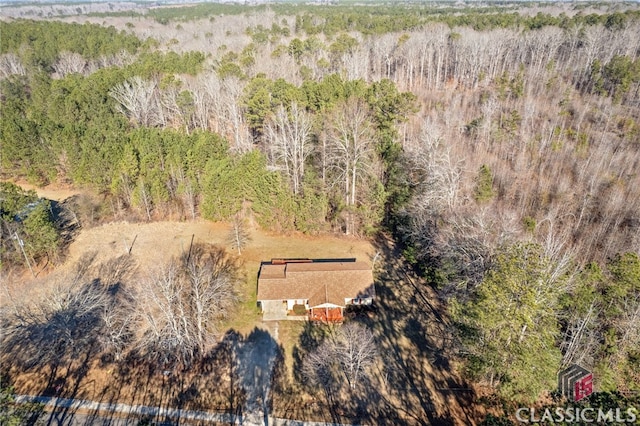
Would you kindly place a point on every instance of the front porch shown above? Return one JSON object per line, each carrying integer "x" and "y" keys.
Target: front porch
{"x": 289, "y": 310}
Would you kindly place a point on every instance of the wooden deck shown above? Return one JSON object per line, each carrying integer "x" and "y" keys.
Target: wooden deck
{"x": 326, "y": 314}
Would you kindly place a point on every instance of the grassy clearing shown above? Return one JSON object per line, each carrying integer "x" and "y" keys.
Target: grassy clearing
{"x": 156, "y": 242}
{"x": 247, "y": 315}
{"x": 289, "y": 334}
{"x": 87, "y": 377}
{"x": 414, "y": 377}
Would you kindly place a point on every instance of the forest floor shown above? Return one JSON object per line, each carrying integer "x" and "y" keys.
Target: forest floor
{"x": 414, "y": 381}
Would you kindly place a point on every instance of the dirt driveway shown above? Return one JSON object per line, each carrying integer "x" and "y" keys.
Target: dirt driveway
{"x": 254, "y": 366}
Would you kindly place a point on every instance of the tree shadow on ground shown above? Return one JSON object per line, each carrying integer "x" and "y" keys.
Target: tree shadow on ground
{"x": 413, "y": 382}
{"x": 234, "y": 378}
{"x": 66, "y": 222}
{"x": 54, "y": 348}
{"x": 323, "y": 404}
{"x": 256, "y": 356}
{"x": 414, "y": 338}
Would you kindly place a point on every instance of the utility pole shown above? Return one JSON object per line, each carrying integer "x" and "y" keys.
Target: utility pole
{"x": 190, "y": 245}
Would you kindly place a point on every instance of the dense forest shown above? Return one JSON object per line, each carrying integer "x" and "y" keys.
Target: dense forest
{"x": 500, "y": 149}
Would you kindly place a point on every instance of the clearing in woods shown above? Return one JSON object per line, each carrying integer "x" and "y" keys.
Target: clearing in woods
{"x": 413, "y": 376}
{"x": 157, "y": 242}
{"x": 154, "y": 243}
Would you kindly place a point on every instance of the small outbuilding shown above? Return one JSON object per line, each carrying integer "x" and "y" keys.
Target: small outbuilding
{"x": 318, "y": 289}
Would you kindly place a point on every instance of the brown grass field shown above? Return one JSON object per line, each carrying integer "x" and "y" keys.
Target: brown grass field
{"x": 413, "y": 381}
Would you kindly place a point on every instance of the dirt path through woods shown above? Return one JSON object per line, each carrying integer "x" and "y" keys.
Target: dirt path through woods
{"x": 51, "y": 192}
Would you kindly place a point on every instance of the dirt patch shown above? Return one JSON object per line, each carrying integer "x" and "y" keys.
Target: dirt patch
{"x": 54, "y": 192}
{"x": 255, "y": 359}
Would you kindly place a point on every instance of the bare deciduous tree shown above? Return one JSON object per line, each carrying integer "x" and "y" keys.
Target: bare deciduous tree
{"x": 317, "y": 365}
{"x": 144, "y": 198}
{"x": 119, "y": 314}
{"x": 70, "y": 63}
{"x": 10, "y": 64}
{"x": 164, "y": 334}
{"x": 212, "y": 276}
{"x": 235, "y": 124}
{"x": 178, "y": 106}
{"x": 440, "y": 176}
{"x": 628, "y": 326}
{"x": 238, "y": 236}
{"x": 119, "y": 320}
{"x": 356, "y": 351}
{"x": 350, "y": 153}
{"x": 118, "y": 270}
{"x": 580, "y": 340}
{"x": 184, "y": 301}
{"x": 76, "y": 313}
{"x": 351, "y": 350}
{"x": 138, "y": 99}
{"x": 70, "y": 314}
{"x": 288, "y": 133}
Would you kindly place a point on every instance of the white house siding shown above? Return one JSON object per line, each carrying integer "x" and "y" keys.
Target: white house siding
{"x": 359, "y": 301}
{"x": 292, "y": 302}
